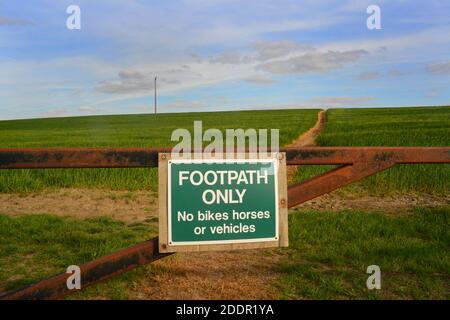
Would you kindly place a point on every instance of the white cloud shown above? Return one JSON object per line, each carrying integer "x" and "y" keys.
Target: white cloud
{"x": 262, "y": 50}
{"x": 312, "y": 62}
{"x": 440, "y": 68}
{"x": 267, "y": 50}
{"x": 342, "y": 101}
{"x": 91, "y": 109}
{"x": 395, "y": 72}
{"x": 227, "y": 57}
{"x": 259, "y": 79}
{"x": 184, "y": 104}
{"x": 131, "y": 75}
{"x": 123, "y": 86}
{"x": 130, "y": 81}
{"x": 54, "y": 113}
{"x": 433, "y": 93}
{"x": 371, "y": 75}
{"x": 5, "y": 21}
{"x": 415, "y": 46}
{"x": 141, "y": 107}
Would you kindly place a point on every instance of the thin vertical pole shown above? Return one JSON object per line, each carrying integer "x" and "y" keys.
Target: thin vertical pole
{"x": 155, "y": 94}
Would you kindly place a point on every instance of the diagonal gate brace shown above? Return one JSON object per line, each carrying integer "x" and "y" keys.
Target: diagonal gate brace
{"x": 332, "y": 180}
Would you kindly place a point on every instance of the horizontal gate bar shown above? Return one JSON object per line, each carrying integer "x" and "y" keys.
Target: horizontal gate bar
{"x": 33, "y": 158}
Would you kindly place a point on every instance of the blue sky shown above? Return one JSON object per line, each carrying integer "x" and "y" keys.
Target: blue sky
{"x": 220, "y": 55}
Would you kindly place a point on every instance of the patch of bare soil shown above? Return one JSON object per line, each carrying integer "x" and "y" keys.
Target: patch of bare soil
{"x": 391, "y": 204}
{"x": 307, "y": 139}
{"x": 243, "y": 274}
{"x": 135, "y": 206}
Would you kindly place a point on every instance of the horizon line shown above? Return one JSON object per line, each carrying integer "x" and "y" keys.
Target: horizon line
{"x": 236, "y": 110}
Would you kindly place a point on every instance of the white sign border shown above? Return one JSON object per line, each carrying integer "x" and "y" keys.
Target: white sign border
{"x": 273, "y": 160}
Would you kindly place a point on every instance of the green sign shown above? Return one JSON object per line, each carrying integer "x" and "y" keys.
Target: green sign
{"x": 230, "y": 201}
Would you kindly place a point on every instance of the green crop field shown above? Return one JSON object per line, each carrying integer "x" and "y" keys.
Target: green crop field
{"x": 329, "y": 251}
{"x": 421, "y": 126}
{"x": 126, "y": 131}
{"x": 426, "y": 126}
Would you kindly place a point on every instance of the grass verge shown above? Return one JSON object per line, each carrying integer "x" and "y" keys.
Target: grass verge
{"x": 33, "y": 247}
{"x": 327, "y": 257}
{"x": 330, "y": 252}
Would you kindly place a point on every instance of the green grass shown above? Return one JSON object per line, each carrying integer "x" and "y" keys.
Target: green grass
{"x": 125, "y": 131}
{"x": 327, "y": 257}
{"x": 424, "y": 126}
{"x": 330, "y": 252}
{"x": 33, "y": 247}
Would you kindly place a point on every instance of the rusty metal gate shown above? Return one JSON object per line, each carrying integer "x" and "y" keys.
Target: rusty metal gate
{"x": 355, "y": 163}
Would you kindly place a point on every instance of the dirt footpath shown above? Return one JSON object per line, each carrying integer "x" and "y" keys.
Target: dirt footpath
{"x": 307, "y": 139}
